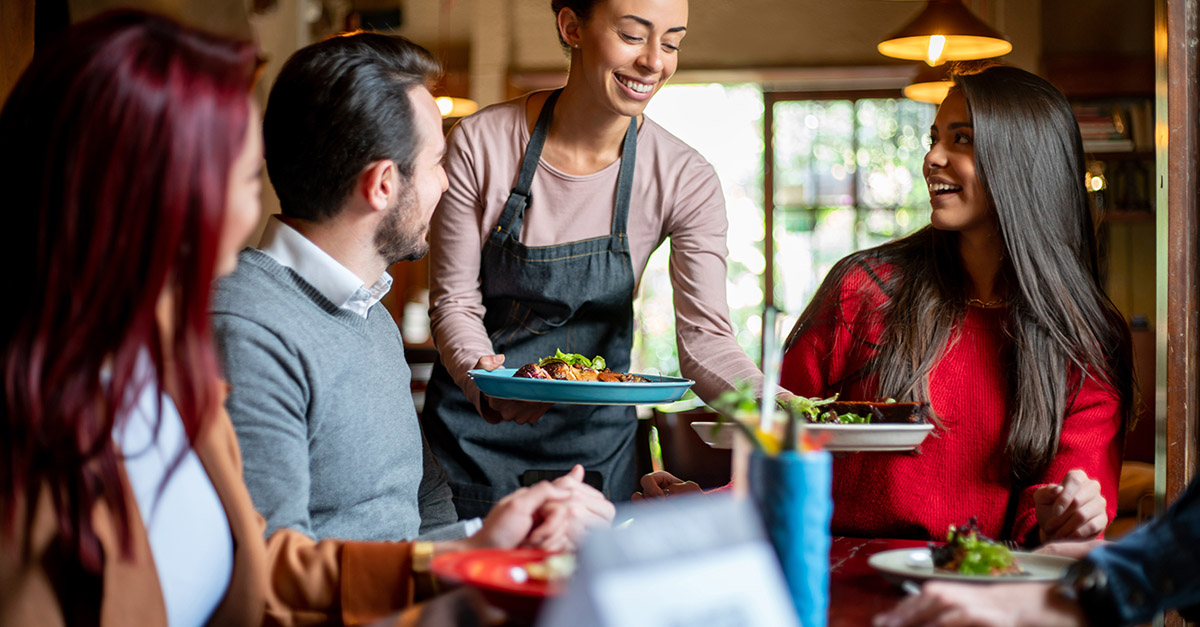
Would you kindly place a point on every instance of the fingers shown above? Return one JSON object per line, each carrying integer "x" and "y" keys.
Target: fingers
{"x": 653, "y": 484}
{"x": 1069, "y": 548}
{"x": 1079, "y": 510}
{"x": 489, "y": 362}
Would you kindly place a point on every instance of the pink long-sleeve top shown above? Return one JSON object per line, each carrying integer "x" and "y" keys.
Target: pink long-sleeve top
{"x": 676, "y": 195}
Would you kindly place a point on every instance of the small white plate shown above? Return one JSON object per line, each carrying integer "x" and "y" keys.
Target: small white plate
{"x": 843, "y": 438}
{"x": 902, "y": 565}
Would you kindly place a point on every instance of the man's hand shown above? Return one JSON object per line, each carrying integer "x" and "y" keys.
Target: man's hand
{"x": 999, "y": 605}
{"x": 1072, "y": 510}
{"x": 513, "y": 519}
{"x": 496, "y": 410}
{"x": 551, "y": 515}
{"x": 661, "y": 484}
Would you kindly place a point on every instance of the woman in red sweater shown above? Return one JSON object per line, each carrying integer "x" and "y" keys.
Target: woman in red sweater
{"x": 996, "y": 316}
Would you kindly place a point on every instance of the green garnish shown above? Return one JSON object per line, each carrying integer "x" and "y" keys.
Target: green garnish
{"x": 575, "y": 359}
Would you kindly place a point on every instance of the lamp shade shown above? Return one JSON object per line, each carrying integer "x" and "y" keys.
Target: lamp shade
{"x": 931, "y": 84}
{"x": 945, "y": 30}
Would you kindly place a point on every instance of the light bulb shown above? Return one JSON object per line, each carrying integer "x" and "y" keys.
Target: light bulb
{"x": 937, "y": 43}
{"x": 444, "y": 105}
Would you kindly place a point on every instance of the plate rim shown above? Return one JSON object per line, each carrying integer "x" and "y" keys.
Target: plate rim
{"x": 542, "y": 589}
{"x": 887, "y": 572}
{"x": 904, "y": 428}
{"x": 670, "y": 382}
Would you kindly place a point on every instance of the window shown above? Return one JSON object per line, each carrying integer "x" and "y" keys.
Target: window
{"x": 846, "y": 175}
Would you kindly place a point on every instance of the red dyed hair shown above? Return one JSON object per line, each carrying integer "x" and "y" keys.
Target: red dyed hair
{"x": 115, "y": 151}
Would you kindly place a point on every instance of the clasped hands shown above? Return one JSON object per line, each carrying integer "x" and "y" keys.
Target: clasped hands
{"x": 550, "y": 515}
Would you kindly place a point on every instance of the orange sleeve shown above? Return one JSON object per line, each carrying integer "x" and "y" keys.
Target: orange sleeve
{"x": 306, "y": 582}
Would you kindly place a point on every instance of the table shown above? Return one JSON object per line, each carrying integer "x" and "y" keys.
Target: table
{"x": 856, "y": 591}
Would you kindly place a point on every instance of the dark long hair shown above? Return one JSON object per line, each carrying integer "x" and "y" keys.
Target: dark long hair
{"x": 1061, "y": 325}
{"x": 118, "y": 142}
{"x": 337, "y": 106}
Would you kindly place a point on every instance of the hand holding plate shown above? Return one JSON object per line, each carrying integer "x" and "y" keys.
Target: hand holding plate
{"x": 495, "y": 410}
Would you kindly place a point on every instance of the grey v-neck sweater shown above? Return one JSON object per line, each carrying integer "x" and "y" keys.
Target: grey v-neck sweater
{"x": 323, "y": 410}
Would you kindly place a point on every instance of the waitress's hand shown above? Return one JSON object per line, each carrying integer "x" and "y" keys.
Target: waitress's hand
{"x": 496, "y": 410}
{"x": 1072, "y": 510}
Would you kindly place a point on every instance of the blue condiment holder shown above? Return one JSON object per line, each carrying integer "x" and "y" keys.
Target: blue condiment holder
{"x": 792, "y": 491}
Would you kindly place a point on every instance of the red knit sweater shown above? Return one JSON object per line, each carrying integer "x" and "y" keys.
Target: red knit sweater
{"x": 964, "y": 470}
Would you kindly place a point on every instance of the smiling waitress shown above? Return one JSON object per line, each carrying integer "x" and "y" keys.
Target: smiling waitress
{"x": 556, "y": 201}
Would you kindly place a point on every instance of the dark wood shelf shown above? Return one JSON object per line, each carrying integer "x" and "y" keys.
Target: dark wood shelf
{"x": 1128, "y": 155}
{"x": 1126, "y": 215}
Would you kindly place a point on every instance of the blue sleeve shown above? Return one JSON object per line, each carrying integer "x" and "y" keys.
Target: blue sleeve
{"x": 1157, "y": 567}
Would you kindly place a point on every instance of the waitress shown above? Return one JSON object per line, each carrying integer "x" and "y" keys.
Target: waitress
{"x": 556, "y": 201}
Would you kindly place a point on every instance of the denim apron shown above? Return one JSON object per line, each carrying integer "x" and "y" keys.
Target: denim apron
{"x": 577, "y": 297}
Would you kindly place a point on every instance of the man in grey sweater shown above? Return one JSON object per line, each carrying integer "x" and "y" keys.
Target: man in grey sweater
{"x": 320, "y": 392}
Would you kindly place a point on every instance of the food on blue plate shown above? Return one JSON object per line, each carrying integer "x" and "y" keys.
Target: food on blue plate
{"x": 574, "y": 367}
{"x": 969, "y": 552}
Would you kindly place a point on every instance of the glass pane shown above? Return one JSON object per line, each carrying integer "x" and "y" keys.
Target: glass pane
{"x": 848, "y": 177}
{"x": 814, "y": 153}
{"x": 724, "y": 124}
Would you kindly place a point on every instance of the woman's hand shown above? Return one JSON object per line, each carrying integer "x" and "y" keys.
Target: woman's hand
{"x": 1072, "y": 510}
{"x": 1000, "y": 605}
{"x": 662, "y": 484}
{"x": 496, "y": 410}
{"x": 1075, "y": 549}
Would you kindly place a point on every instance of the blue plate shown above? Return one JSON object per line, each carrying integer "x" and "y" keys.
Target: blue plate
{"x": 501, "y": 384}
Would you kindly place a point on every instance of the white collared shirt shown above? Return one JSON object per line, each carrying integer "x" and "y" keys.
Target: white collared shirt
{"x": 333, "y": 280}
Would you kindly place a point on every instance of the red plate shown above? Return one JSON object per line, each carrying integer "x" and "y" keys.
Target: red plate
{"x": 492, "y": 570}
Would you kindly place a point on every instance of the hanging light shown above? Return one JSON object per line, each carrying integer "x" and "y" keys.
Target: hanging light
{"x": 456, "y": 107}
{"x": 945, "y": 30}
{"x": 450, "y": 106}
{"x": 931, "y": 84}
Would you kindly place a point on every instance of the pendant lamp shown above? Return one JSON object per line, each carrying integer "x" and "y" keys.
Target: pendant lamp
{"x": 945, "y": 30}
{"x": 931, "y": 84}
{"x": 450, "y": 106}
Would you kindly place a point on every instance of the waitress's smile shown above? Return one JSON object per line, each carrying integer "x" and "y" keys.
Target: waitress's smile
{"x": 636, "y": 89}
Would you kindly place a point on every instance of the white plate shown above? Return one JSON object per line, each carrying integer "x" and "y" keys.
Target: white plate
{"x": 902, "y": 565}
{"x": 876, "y": 437}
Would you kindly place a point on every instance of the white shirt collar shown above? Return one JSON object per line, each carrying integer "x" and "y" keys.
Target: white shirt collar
{"x": 333, "y": 280}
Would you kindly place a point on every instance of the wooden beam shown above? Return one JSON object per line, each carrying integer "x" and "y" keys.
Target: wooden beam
{"x": 16, "y": 42}
{"x": 1179, "y": 234}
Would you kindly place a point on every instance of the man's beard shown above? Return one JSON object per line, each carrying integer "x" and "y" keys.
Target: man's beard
{"x": 395, "y": 239}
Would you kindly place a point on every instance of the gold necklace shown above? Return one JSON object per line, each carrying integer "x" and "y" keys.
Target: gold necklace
{"x": 986, "y": 304}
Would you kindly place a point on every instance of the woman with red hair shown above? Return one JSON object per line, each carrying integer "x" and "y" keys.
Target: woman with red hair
{"x": 131, "y": 175}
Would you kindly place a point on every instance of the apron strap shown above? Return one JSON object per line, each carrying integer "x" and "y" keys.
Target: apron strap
{"x": 513, "y": 215}
{"x": 620, "y": 220}
{"x": 514, "y": 209}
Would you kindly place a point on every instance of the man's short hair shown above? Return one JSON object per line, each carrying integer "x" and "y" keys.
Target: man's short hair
{"x": 337, "y": 106}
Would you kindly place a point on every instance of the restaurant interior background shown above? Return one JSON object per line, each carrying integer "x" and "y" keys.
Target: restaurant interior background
{"x": 818, "y": 152}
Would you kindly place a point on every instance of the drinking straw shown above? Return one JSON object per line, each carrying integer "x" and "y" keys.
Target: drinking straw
{"x": 770, "y": 363}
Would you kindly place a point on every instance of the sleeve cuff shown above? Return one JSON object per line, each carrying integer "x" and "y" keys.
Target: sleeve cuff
{"x": 376, "y": 580}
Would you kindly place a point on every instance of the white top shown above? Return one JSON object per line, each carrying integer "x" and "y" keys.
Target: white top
{"x": 185, "y": 520}
{"x": 336, "y": 282}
